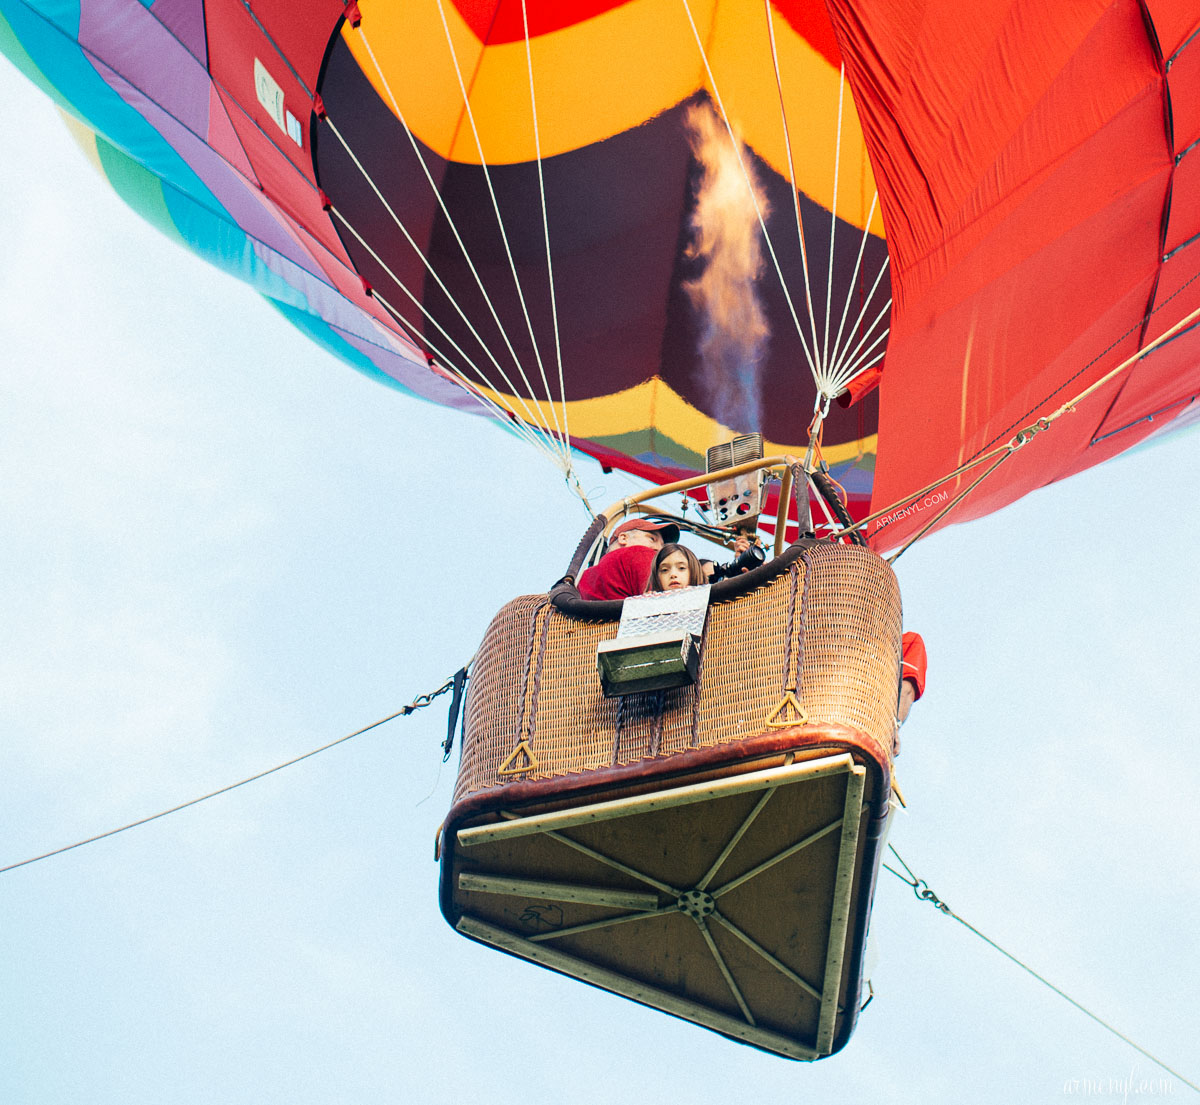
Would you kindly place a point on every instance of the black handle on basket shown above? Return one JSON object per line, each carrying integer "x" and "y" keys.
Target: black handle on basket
{"x": 593, "y": 531}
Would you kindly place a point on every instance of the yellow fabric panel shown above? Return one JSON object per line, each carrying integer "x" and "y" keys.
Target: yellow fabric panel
{"x": 611, "y": 73}
{"x": 592, "y": 80}
{"x": 740, "y": 57}
{"x": 655, "y": 405}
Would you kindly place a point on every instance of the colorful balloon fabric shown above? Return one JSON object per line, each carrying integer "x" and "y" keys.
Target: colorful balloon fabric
{"x": 653, "y": 223}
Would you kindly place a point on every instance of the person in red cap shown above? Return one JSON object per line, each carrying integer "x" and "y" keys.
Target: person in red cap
{"x": 625, "y": 569}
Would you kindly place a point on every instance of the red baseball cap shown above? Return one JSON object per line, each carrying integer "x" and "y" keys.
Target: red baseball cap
{"x": 668, "y": 530}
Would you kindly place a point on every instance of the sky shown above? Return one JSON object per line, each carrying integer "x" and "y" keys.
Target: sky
{"x": 222, "y": 549}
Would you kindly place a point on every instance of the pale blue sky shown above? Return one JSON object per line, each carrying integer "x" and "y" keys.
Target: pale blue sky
{"x": 222, "y": 549}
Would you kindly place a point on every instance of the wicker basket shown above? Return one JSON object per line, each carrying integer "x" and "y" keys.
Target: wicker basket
{"x": 710, "y": 850}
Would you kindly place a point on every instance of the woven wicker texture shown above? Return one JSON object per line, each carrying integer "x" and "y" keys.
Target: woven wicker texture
{"x": 828, "y": 630}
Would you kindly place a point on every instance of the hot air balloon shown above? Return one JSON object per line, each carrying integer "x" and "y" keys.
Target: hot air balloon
{"x": 635, "y": 230}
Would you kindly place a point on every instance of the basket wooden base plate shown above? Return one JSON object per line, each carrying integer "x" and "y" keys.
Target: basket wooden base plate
{"x": 738, "y": 902}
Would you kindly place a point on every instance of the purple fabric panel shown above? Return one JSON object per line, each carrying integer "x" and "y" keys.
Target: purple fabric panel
{"x": 417, "y": 377}
{"x": 393, "y": 354}
{"x": 185, "y": 18}
{"x": 132, "y": 42}
{"x": 240, "y": 199}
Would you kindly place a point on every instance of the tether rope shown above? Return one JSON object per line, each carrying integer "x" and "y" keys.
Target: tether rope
{"x": 418, "y": 703}
{"x": 923, "y": 892}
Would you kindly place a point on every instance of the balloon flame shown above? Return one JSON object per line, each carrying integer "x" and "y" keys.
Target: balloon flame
{"x": 725, "y": 237}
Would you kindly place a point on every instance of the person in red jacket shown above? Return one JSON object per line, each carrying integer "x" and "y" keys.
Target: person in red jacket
{"x": 913, "y": 663}
{"x": 625, "y": 569}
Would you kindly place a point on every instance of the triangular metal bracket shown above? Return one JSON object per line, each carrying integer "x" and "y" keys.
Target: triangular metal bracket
{"x": 512, "y": 766}
{"x": 778, "y": 719}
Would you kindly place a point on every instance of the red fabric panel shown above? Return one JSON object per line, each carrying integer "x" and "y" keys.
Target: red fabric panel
{"x": 500, "y": 21}
{"x": 1183, "y": 222}
{"x": 1183, "y": 79}
{"x": 301, "y": 31}
{"x": 1174, "y": 23}
{"x": 284, "y": 169}
{"x": 1023, "y": 165}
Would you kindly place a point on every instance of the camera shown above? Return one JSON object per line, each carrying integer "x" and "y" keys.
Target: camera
{"x": 749, "y": 560}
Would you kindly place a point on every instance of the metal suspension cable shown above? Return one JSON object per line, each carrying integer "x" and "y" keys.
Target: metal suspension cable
{"x": 430, "y": 269}
{"x": 787, "y": 143}
{"x": 924, "y": 893}
{"x": 487, "y": 176}
{"x": 421, "y": 307}
{"x": 506, "y": 415}
{"x": 837, "y": 165}
{"x": 446, "y": 214}
{"x": 537, "y": 146}
{"x": 418, "y": 703}
{"x": 737, "y": 149}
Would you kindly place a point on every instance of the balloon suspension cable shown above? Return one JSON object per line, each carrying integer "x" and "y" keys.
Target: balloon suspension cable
{"x": 1001, "y": 453}
{"x": 418, "y": 703}
{"x": 923, "y": 892}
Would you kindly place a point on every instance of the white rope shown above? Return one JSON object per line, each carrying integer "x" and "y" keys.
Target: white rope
{"x": 461, "y": 352}
{"x": 787, "y": 142}
{"x": 505, "y": 415}
{"x": 855, "y": 357}
{"x": 445, "y": 210}
{"x": 537, "y": 147}
{"x": 839, "y": 370}
{"x": 837, "y": 165}
{"x": 862, "y": 245}
{"x": 737, "y": 149}
{"x": 432, "y": 272}
{"x": 499, "y": 219}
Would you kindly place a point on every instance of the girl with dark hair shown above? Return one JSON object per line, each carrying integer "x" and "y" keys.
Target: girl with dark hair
{"x": 675, "y": 567}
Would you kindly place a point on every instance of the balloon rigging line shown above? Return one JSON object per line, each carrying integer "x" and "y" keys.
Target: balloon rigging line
{"x": 505, "y": 415}
{"x": 787, "y": 142}
{"x": 854, "y": 362}
{"x": 421, "y": 307}
{"x": 433, "y": 272}
{"x": 837, "y": 165}
{"x": 1021, "y": 439}
{"x": 487, "y": 176}
{"x": 923, "y": 892}
{"x": 737, "y": 149}
{"x": 537, "y": 147}
{"x": 418, "y": 703}
{"x": 446, "y": 213}
{"x": 837, "y": 375}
